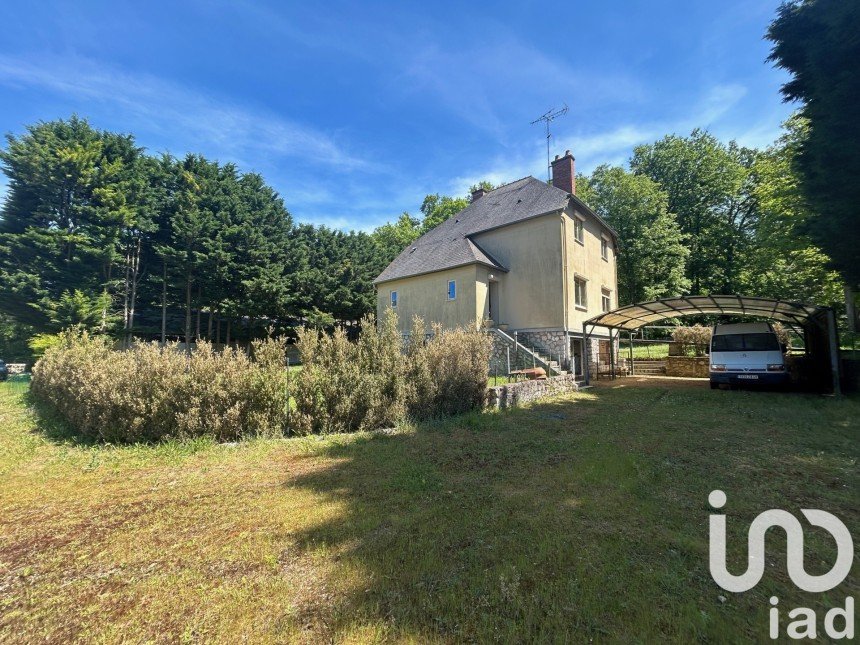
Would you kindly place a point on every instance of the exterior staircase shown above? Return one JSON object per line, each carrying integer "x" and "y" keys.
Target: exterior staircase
{"x": 648, "y": 367}
{"x": 531, "y": 356}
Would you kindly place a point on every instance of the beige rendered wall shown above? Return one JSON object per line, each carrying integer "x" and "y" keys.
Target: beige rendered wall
{"x": 427, "y": 296}
{"x": 534, "y": 294}
{"x": 531, "y": 292}
{"x": 584, "y": 260}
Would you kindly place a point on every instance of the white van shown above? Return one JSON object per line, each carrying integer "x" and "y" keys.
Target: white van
{"x": 746, "y": 353}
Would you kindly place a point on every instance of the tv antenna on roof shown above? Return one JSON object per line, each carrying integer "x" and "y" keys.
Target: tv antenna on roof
{"x": 551, "y": 115}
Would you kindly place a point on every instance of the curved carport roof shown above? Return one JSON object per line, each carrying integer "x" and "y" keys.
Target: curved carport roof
{"x": 631, "y": 317}
{"x": 810, "y": 317}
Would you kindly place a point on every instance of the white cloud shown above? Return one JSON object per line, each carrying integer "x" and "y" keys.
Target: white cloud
{"x": 484, "y": 84}
{"x": 718, "y": 101}
{"x": 614, "y": 146}
{"x": 195, "y": 119}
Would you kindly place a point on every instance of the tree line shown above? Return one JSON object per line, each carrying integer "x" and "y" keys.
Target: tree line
{"x": 95, "y": 233}
{"x": 696, "y": 215}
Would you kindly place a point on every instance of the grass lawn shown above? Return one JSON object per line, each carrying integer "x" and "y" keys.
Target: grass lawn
{"x": 583, "y": 517}
{"x": 645, "y": 350}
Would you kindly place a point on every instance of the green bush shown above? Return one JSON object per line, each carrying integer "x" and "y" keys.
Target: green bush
{"x": 40, "y": 343}
{"x": 693, "y": 340}
{"x": 149, "y": 392}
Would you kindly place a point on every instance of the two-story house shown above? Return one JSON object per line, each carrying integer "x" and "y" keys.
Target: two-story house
{"x": 528, "y": 257}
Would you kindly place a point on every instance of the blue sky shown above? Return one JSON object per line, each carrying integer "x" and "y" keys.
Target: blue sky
{"x": 354, "y": 113}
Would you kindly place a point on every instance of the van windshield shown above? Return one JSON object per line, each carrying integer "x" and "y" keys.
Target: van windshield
{"x": 745, "y": 343}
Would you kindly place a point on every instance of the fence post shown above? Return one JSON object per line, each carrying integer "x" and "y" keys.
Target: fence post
{"x": 508, "y": 350}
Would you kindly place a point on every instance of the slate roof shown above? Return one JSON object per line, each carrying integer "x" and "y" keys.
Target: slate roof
{"x": 449, "y": 244}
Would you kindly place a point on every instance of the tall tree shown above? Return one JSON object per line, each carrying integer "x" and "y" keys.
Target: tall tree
{"x": 149, "y": 193}
{"x": 652, "y": 255}
{"x": 192, "y": 223}
{"x": 708, "y": 184}
{"x": 782, "y": 261}
{"x": 61, "y": 223}
{"x": 393, "y": 237}
{"x": 438, "y": 208}
{"x": 817, "y": 42}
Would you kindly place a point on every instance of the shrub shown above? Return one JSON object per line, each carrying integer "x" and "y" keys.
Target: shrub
{"x": 150, "y": 392}
{"x": 693, "y": 340}
{"x": 459, "y": 362}
{"x": 382, "y": 378}
{"x": 783, "y": 334}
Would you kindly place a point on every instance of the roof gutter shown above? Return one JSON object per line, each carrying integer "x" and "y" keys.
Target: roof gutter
{"x": 455, "y": 266}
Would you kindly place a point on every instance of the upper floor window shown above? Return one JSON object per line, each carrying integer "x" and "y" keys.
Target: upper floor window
{"x": 394, "y": 300}
{"x": 580, "y": 295}
{"x": 452, "y": 289}
{"x": 605, "y": 299}
{"x": 604, "y": 248}
{"x": 579, "y": 230}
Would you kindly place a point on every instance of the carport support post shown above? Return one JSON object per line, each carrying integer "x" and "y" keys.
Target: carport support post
{"x": 631, "y": 353}
{"x": 585, "y": 355}
{"x": 833, "y": 340}
{"x": 612, "y": 353}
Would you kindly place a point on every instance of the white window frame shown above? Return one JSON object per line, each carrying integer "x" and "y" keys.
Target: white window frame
{"x": 448, "y": 292}
{"x": 579, "y": 226}
{"x": 392, "y": 298}
{"x": 605, "y": 299}
{"x": 604, "y": 248}
{"x": 578, "y": 279}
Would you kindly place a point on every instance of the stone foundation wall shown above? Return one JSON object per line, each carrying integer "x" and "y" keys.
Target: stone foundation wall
{"x": 549, "y": 343}
{"x": 514, "y": 394}
{"x": 687, "y": 366}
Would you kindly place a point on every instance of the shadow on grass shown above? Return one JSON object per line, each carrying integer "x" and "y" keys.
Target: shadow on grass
{"x": 51, "y": 424}
{"x": 583, "y": 517}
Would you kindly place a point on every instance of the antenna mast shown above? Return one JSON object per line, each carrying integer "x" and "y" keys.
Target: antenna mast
{"x": 551, "y": 115}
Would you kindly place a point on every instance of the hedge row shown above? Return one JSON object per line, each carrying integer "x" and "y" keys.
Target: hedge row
{"x": 149, "y": 392}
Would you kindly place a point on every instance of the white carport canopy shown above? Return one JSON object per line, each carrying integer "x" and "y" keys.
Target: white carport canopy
{"x": 795, "y": 314}
{"x": 632, "y": 317}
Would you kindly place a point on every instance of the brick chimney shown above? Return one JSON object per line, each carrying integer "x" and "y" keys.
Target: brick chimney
{"x": 564, "y": 173}
{"x": 478, "y": 193}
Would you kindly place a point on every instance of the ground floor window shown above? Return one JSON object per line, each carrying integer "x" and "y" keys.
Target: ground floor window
{"x": 452, "y": 289}
{"x": 580, "y": 296}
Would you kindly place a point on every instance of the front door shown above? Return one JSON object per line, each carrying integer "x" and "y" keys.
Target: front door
{"x": 576, "y": 355}
{"x": 494, "y": 302}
